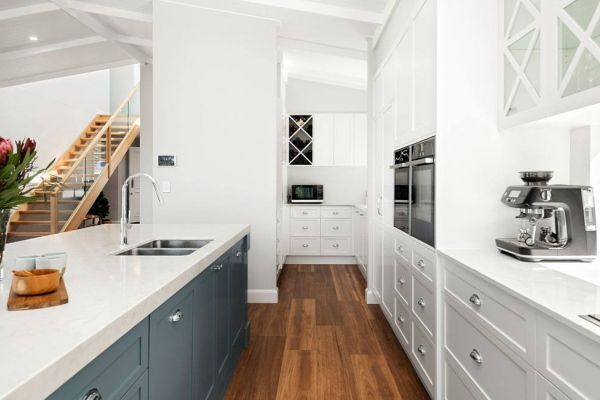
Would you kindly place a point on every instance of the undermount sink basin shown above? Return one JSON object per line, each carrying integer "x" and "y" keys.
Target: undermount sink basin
{"x": 166, "y": 247}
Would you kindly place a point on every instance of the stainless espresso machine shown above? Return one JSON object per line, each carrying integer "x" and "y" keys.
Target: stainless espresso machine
{"x": 556, "y": 222}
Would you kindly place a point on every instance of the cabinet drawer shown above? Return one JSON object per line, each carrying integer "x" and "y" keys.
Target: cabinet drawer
{"x": 424, "y": 261}
{"x": 113, "y": 372}
{"x": 544, "y": 390}
{"x": 336, "y": 246}
{"x": 568, "y": 359}
{"x": 512, "y": 321}
{"x": 423, "y": 353}
{"x": 305, "y": 212}
{"x": 490, "y": 367}
{"x": 336, "y": 227}
{"x": 455, "y": 388}
{"x": 139, "y": 390}
{"x": 305, "y": 227}
{"x": 307, "y": 246}
{"x": 336, "y": 212}
{"x": 403, "y": 281}
{"x": 423, "y": 305}
{"x": 403, "y": 248}
{"x": 402, "y": 321}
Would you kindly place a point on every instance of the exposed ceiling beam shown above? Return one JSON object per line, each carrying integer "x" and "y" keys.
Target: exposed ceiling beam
{"x": 312, "y": 47}
{"x": 27, "y": 51}
{"x": 314, "y": 7}
{"x": 109, "y": 11}
{"x": 27, "y": 10}
{"x": 97, "y": 26}
{"x": 133, "y": 40}
{"x": 389, "y": 10}
{"x": 327, "y": 80}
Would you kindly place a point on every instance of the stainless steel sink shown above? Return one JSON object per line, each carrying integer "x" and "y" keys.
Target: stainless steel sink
{"x": 166, "y": 247}
{"x": 174, "y": 244}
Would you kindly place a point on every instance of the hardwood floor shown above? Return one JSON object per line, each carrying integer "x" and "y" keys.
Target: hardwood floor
{"x": 322, "y": 341}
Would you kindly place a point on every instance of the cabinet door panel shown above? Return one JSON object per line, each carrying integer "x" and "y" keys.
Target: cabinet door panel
{"x": 360, "y": 139}
{"x": 323, "y": 139}
{"x": 171, "y": 338}
{"x": 343, "y": 139}
{"x": 378, "y": 259}
{"x": 222, "y": 340}
{"x": 404, "y": 99}
{"x": 388, "y": 274}
{"x": 204, "y": 335}
{"x": 425, "y": 70}
{"x": 139, "y": 390}
{"x": 237, "y": 292}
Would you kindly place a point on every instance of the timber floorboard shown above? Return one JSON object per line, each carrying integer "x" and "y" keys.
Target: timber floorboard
{"x": 322, "y": 341}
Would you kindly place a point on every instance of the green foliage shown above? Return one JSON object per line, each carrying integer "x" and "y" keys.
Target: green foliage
{"x": 101, "y": 206}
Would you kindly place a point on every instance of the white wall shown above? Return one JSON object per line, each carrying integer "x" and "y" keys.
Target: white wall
{"x": 475, "y": 162}
{"x": 341, "y": 185}
{"x": 313, "y": 97}
{"x": 53, "y": 112}
{"x": 215, "y": 108}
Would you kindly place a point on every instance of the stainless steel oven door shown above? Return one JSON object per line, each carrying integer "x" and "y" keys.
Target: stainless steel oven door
{"x": 402, "y": 198}
{"x": 422, "y": 212}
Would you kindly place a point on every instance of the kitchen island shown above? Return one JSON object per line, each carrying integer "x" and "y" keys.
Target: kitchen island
{"x": 109, "y": 295}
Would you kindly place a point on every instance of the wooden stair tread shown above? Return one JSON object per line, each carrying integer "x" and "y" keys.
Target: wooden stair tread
{"x": 28, "y": 234}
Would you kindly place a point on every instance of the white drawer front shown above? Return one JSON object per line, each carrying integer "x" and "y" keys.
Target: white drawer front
{"x": 403, "y": 281}
{"x": 455, "y": 388}
{"x": 305, "y": 212}
{"x": 423, "y": 353}
{"x": 305, "y": 246}
{"x": 336, "y": 227}
{"x": 497, "y": 374}
{"x": 305, "y": 227}
{"x": 423, "y": 305}
{"x": 424, "y": 261}
{"x": 403, "y": 248}
{"x": 402, "y": 321}
{"x": 336, "y": 212}
{"x": 568, "y": 360}
{"x": 544, "y": 390}
{"x": 513, "y": 321}
{"x": 336, "y": 246}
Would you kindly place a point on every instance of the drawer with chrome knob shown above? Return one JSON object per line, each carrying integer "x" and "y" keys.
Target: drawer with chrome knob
{"x": 93, "y": 394}
{"x": 476, "y": 356}
{"x": 176, "y": 316}
{"x": 421, "y": 349}
{"x": 421, "y": 302}
{"x": 475, "y": 299}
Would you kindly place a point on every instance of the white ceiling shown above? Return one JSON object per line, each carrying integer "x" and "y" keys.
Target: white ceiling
{"x": 320, "y": 39}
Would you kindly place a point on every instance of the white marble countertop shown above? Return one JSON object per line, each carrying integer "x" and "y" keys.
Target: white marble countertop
{"x": 563, "y": 290}
{"x": 108, "y": 295}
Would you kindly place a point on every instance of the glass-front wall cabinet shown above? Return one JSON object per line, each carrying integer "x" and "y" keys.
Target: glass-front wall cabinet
{"x": 551, "y": 58}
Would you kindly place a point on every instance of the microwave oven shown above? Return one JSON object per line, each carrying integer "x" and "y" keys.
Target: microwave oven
{"x": 309, "y": 194}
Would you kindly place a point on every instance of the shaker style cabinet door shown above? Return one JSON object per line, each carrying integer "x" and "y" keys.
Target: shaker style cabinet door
{"x": 171, "y": 341}
{"x": 222, "y": 315}
{"x": 323, "y": 139}
{"x": 204, "y": 336}
{"x": 343, "y": 152}
{"x": 237, "y": 292}
{"x": 424, "y": 28}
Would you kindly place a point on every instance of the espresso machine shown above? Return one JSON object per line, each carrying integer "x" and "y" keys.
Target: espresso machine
{"x": 556, "y": 222}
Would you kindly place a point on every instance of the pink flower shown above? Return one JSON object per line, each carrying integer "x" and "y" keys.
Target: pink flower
{"x": 6, "y": 149}
{"x": 28, "y": 146}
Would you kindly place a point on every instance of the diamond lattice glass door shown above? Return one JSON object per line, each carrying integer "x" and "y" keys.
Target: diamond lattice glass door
{"x": 522, "y": 54}
{"x": 300, "y": 140}
{"x": 578, "y": 46}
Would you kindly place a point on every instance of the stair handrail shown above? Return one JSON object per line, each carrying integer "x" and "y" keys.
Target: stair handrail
{"x": 97, "y": 137}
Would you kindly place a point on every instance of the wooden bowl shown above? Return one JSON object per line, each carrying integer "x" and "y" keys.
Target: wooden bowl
{"x": 34, "y": 282}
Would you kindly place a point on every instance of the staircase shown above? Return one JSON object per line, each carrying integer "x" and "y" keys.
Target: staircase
{"x": 83, "y": 171}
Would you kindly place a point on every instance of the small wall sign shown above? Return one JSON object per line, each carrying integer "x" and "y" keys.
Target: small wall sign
{"x": 167, "y": 161}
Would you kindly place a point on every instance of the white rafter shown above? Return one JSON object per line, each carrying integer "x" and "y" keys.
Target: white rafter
{"x": 97, "y": 26}
{"x": 389, "y": 9}
{"x": 329, "y": 10}
{"x": 312, "y": 47}
{"x": 46, "y": 48}
{"x": 27, "y": 10}
{"x": 109, "y": 11}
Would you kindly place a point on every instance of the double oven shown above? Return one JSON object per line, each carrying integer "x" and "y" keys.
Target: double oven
{"x": 414, "y": 190}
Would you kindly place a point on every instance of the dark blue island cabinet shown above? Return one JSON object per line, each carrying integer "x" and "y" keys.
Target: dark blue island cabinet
{"x": 186, "y": 349}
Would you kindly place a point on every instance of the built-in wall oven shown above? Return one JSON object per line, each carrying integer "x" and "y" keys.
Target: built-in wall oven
{"x": 414, "y": 190}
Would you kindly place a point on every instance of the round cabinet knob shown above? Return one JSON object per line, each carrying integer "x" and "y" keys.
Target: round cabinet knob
{"x": 218, "y": 267}
{"x": 335, "y": 245}
{"x": 421, "y": 263}
{"x": 335, "y": 228}
{"x": 176, "y": 317}
{"x": 305, "y": 227}
{"x": 401, "y": 249}
{"x": 304, "y": 213}
{"x": 238, "y": 254}
{"x": 475, "y": 299}
{"x": 93, "y": 394}
{"x": 336, "y": 213}
{"x": 421, "y": 302}
{"x": 421, "y": 350}
{"x": 401, "y": 319}
{"x": 476, "y": 356}
{"x": 401, "y": 281}
{"x": 305, "y": 245}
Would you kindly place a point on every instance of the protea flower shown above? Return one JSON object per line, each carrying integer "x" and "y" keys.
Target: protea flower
{"x": 6, "y": 149}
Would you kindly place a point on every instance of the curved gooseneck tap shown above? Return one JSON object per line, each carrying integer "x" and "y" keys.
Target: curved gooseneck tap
{"x": 124, "y": 189}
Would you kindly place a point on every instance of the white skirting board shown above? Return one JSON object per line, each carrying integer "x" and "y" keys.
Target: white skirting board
{"x": 371, "y": 296}
{"x": 320, "y": 260}
{"x": 263, "y": 296}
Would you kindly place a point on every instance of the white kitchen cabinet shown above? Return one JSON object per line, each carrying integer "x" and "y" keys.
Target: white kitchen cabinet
{"x": 405, "y": 82}
{"x": 323, "y": 139}
{"x": 343, "y": 138}
{"x": 546, "y": 391}
{"x": 389, "y": 274}
{"x": 551, "y": 59}
{"x": 360, "y": 139}
{"x": 378, "y": 260}
{"x": 424, "y": 54}
{"x": 360, "y": 239}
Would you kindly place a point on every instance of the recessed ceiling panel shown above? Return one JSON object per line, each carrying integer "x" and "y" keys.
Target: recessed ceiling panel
{"x": 48, "y": 27}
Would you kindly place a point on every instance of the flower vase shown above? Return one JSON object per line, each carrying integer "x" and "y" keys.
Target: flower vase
{"x": 4, "y": 218}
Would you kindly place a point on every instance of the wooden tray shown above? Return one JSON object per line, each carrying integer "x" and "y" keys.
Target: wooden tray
{"x": 56, "y": 298}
